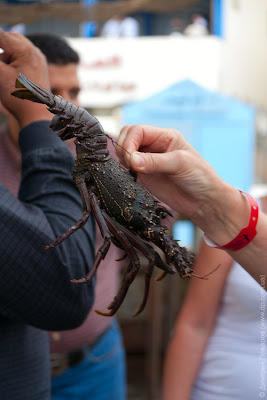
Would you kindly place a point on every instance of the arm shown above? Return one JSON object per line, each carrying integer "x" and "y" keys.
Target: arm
{"x": 176, "y": 173}
{"x": 34, "y": 283}
{"x": 194, "y": 324}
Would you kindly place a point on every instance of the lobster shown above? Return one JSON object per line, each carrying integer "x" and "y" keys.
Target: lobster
{"x": 126, "y": 213}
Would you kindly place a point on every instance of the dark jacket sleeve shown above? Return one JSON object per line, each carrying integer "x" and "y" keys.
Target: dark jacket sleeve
{"x": 35, "y": 285}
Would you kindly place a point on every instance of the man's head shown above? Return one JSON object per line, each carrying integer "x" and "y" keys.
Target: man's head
{"x": 62, "y": 64}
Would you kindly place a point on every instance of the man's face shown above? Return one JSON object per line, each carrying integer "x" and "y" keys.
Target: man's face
{"x": 64, "y": 81}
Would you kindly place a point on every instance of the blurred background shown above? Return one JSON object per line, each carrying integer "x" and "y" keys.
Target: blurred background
{"x": 198, "y": 66}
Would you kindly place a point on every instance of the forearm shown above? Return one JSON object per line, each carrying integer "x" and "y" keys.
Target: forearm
{"x": 182, "y": 362}
{"x": 50, "y": 205}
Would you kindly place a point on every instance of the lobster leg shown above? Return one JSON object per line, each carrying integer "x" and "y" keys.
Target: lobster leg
{"x": 141, "y": 245}
{"x": 153, "y": 260}
{"x": 128, "y": 278}
{"x": 130, "y": 272}
{"x": 89, "y": 203}
{"x": 134, "y": 264}
{"x": 102, "y": 251}
{"x": 81, "y": 185}
{"x": 147, "y": 250}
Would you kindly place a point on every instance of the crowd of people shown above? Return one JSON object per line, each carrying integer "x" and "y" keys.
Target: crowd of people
{"x": 128, "y": 26}
{"x": 53, "y": 345}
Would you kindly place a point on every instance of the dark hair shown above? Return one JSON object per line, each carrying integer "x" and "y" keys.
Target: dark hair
{"x": 55, "y": 48}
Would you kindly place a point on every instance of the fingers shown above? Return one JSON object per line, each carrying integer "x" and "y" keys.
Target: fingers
{"x": 127, "y": 144}
{"x": 151, "y": 139}
{"x": 145, "y": 138}
{"x": 5, "y": 55}
{"x": 156, "y": 163}
{"x": 13, "y": 44}
{"x": 23, "y": 56}
{"x": 133, "y": 136}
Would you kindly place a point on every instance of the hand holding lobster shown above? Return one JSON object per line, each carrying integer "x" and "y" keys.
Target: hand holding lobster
{"x": 169, "y": 165}
{"x": 176, "y": 173}
{"x": 21, "y": 55}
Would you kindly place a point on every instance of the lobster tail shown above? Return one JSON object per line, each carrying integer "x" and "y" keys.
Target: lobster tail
{"x": 180, "y": 257}
{"x": 31, "y": 91}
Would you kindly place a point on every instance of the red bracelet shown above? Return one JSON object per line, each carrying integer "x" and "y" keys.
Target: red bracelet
{"x": 246, "y": 235}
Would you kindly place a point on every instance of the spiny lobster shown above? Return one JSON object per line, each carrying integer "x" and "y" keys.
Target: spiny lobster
{"x": 127, "y": 214}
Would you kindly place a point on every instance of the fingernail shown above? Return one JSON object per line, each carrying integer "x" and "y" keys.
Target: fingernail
{"x": 138, "y": 160}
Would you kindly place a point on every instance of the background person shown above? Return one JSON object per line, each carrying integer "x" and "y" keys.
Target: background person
{"x": 215, "y": 350}
{"x": 176, "y": 26}
{"x": 120, "y": 26}
{"x": 197, "y": 27}
{"x": 36, "y": 293}
{"x": 88, "y": 362}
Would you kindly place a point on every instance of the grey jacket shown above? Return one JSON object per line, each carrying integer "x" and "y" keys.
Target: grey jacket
{"x": 35, "y": 290}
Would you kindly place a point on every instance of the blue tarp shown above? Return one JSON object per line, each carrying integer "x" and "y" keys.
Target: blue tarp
{"x": 221, "y": 128}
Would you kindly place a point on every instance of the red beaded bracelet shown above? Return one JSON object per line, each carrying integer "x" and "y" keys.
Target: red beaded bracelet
{"x": 246, "y": 235}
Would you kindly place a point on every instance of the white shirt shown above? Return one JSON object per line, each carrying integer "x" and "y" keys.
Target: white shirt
{"x": 231, "y": 368}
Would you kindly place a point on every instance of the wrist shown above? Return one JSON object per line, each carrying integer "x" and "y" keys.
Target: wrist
{"x": 37, "y": 135}
{"x": 246, "y": 234}
{"x": 27, "y": 121}
{"x": 225, "y": 215}
{"x": 34, "y": 113}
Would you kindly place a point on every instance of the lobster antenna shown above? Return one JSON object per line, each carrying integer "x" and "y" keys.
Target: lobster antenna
{"x": 114, "y": 142}
{"x": 209, "y": 273}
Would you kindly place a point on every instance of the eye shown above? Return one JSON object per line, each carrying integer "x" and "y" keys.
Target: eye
{"x": 55, "y": 92}
{"x": 70, "y": 94}
{"x": 74, "y": 93}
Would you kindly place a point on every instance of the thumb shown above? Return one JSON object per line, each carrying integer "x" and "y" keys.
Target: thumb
{"x": 153, "y": 163}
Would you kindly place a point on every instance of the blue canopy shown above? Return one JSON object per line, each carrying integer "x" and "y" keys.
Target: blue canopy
{"x": 221, "y": 128}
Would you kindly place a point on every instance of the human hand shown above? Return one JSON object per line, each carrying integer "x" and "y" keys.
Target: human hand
{"x": 176, "y": 173}
{"x": 20, "y": 55}
{"x": 168, "y": 166}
